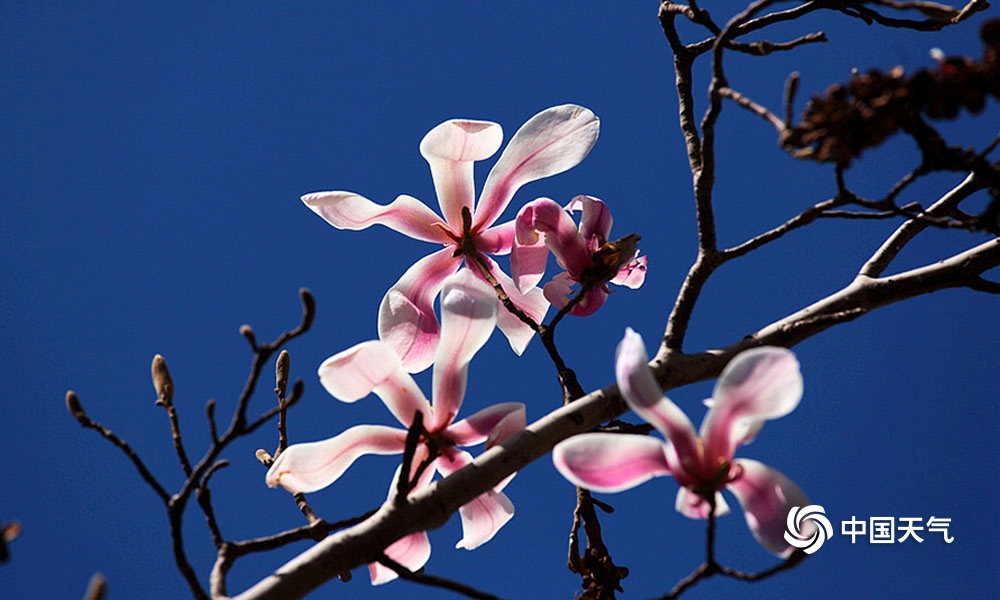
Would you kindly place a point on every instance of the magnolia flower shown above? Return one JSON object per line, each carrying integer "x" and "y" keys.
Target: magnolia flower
{"x": 551, "y": 142}
{"x": 468, "y": 316}
{"x": 759, "y": 384}
{"x": 589, "y": 260}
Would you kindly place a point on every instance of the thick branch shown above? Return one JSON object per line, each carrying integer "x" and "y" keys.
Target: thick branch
{"x": 430, "y": 508}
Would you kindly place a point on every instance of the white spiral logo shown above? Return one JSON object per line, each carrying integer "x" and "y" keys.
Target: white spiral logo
{"x": 816, "y": 530}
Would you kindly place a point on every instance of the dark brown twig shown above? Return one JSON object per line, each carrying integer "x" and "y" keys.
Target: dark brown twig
{"x": 434, "y": 581}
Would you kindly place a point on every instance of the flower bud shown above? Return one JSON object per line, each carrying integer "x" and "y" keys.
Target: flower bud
{"x": 162, "y": 382}
{"x": 75, "y": 408}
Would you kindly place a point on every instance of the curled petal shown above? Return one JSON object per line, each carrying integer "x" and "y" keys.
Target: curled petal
{"x": 766, "y": 496}
{"x": 693, "y": 506}
{"x": 606, "y": 462}
{"x": 592, "y": 300}
{"x": 758, "y": 384}
{"x": 468, "y": 316}
{"x": 412, "y": 551}
{"x": 450, "y": 149}
{"x": 527, "y": 263}
{"x": 313, "y": 466}
{"x": 407, "y": 215}
{"x": 514, "y": 422}
{"x": 532, "y": 302}
{"x": 643, "y": 395}
{"x": 560, "y": 233}
{"x": 406, "y": 319}
{"x": 551, "y": 142}
{"x": 559, "y": 291}
{"x": 509, "y": 417}
{"x": 373, "y": 367}
{"x": 483, "y": 517}
{"x": 596, "y": 219}
{"x": 633, "y": 274}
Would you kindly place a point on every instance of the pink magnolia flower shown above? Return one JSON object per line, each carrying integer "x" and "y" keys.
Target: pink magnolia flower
{"x": 584, "y": 252}
{"x": 551, "y": 142}
{"x": 758, "y": 384}
{"x": 468, "y": 316}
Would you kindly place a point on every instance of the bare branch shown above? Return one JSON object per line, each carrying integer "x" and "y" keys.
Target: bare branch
{"x": 753, "y": 107}
{"x": 882, "y": 257}
{"x": 76, "y": 409}
{"x": 434, "y": 581}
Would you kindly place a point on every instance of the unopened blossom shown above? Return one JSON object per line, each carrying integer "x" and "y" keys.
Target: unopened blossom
{"x": 551, "y": 142}
{"x": 757, "y": 385}
{"x": 590, "y": 261}
{"x": 468, "y": 316}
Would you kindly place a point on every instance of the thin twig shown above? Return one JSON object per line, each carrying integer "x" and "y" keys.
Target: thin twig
{"x": 755, "y": 108}
{"x": 76, "y": 409}
{"x": 434, "y": 581}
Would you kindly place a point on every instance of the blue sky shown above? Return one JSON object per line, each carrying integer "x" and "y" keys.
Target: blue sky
{"x": 151, "y": 163}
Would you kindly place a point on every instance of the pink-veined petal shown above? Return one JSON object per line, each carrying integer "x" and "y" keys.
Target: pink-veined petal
{"x": 483, "y": 517}
{"x": 633, "y": 274}
{"x": 450, "y": 149}
{"x": 610, "y": 462}
{"x": 513, "y": 423}
{"x": 406, "y": 319}
{"x": 693, "y": 506}
{"x": 468, "y": 316}
{"x": 766, "y": 497}
{"x": 496, "y": 240}
{"x": 551, "y": 142}
{"x": 412, "y": 551}
{"x": 592, "y": 300}
{"x": 407, "y": 215}
{"x": 644, "y": 396}
{"x": 596, "y": 218}
{"x": 527, "y": 263}
{"x": 758, "y": 384}
{"x": 559, "y": 232}
{"x": 559, "y": 290}
{"x": 532, "y": 302}
{"x": 481, "y": 426}
{"x": 314, "y": 465}
{"x": 374, "y": 367}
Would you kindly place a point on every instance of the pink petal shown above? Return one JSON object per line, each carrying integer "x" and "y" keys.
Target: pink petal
{"x": 559, "y": 291}
{"x": 563, "y": 287}
{"x": 551, "y": 142}
{"x": 610, "y": 462}
{"x": 644, "y": 396}
{"x": 450, "y": 149}
{"x": 633, "y": 274}
{"x": 480, "y": 426}
{"x": 592, "y": 300}
{"x": 596, "y": 219}
{"x": 758, "y": 384}
{"x": 483, "y": 517}
{"x": 560, "y": 233}
{"x": 527, "y": 263}
{"x": 406, "y": 319}
{"x": 407, "y": 215}
{"x": 412, "y": 551}
{"x": 497, "y": 239}
{"x": 468, "y": 316}
{"x": 693, "y": 506}
{"x": 766, "y": 496}
{"x": 532, "y": 302}
{"x": 513, "y": 423}
{"x": 313, "y": 466}
{"x": 374, "y": 367}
